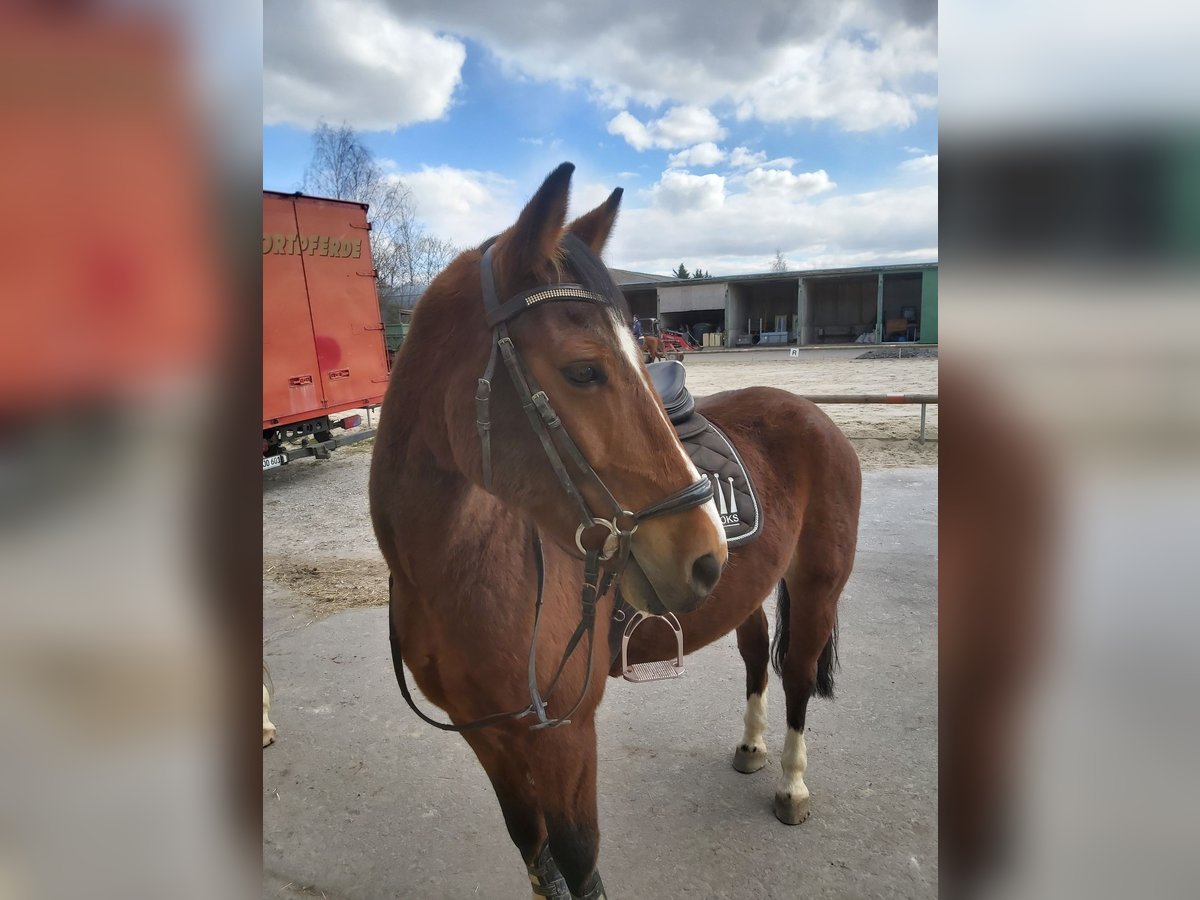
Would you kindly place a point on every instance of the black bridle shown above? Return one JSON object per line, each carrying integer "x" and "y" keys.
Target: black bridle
{"x": 605, "y": 552}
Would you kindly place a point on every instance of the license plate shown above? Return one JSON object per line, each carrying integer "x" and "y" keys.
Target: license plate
{"x": 272, "y": 462}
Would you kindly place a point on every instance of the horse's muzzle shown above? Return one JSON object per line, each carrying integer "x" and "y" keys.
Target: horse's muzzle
{"x": 657, "y": 595}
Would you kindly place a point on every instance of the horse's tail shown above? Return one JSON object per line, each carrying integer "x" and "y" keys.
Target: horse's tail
{"x": 827, "y": 662}
{"x": 779, "y": 644}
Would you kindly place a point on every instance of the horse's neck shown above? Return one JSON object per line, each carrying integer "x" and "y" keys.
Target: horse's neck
{"x": 440, "y": 518}
{"x": 445, "y": 525}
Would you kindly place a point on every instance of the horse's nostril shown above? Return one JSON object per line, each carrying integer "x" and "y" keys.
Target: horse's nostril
{"x": 705, "y": 572}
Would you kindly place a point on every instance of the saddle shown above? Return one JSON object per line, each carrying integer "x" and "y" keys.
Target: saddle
{"x": 711, "y": 452}
{"x": 717, "y": 459}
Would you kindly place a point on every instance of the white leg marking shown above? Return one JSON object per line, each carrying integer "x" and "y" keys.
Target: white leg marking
{"x": 268, "y": 727}
{"x": 794, "y": 765}
{"x": 756, "y": 722}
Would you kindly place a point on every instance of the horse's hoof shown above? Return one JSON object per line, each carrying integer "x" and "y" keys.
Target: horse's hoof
{"x": 749, "y": 760}
{"x": 791, "y": 810}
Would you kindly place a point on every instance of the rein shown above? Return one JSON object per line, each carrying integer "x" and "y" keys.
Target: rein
{"x": 614, "y": 547}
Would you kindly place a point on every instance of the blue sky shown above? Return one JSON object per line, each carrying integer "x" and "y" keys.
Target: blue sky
{"x": 736, "y": 130}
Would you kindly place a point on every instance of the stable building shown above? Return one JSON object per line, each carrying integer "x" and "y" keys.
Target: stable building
{"x": 807, "y": 307}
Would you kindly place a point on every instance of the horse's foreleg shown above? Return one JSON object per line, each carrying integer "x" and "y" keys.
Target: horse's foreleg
{"x": 753, "y": 642}
{"x": 810, "y": 599}
{"x": 511, "y": 779}
{"x": 564, "y": 769}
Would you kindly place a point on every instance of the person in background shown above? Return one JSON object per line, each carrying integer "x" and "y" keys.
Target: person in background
{"x": 637, "y": 329}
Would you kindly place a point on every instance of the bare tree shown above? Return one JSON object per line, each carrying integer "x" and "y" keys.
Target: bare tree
{"x": 344, "y": 168}
{"x": 432, "y": 255}
{"x": 779, "y": 264}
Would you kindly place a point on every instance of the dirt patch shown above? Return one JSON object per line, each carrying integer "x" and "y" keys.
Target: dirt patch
{"x": 361, "y": 447}
{"x": 330, "y": 585}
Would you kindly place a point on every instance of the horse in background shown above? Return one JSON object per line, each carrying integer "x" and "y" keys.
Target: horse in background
{"x": 652, "y": 348}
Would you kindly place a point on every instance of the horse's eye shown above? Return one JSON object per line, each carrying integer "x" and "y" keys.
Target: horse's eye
{"x": 584, "y": 374}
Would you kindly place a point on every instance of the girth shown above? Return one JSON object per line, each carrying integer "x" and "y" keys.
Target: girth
{"x": 604, "y": 540}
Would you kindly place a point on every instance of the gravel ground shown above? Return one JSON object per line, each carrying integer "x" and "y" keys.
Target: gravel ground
{"x": 362, "y": 800}
{"x": 885, "y": 435}
{"x": 329, "y": 570}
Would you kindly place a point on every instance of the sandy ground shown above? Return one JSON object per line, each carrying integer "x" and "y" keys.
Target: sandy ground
{"x": 885, "y": 436}
{"x": 362, "y": 801}
{"x": 328, "y": 571}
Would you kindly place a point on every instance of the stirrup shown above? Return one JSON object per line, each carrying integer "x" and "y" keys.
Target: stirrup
{"x": 651, "y": 671}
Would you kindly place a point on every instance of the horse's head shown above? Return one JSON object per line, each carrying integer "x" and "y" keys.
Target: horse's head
{"x": 582, "y": 354}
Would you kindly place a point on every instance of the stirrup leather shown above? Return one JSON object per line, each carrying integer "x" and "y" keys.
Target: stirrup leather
{"x": 660, "y": 670}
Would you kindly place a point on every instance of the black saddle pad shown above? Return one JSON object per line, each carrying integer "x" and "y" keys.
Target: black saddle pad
{"x": 716, "y": 457}
{"x": 712, "y": 452}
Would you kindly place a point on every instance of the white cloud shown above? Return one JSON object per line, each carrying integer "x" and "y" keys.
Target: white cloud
{"x": 683, "y": 192}
{"x": 733, "y": 224}
{"x": 353, "y": 61}
{"x": 735, "y": 230}
{"x": 863, "y": 65}
{"x": 682, "y": 125}
{"x": 704, "y": 155}
{"x": 743, "y": 158}
{"x": 856, "y": 79}
{"x": 914, "y": 151}
{"x": 920, "y": 165}
{"x": 635, "y": 133}
{"x": 776, "y": 181}
{"x": 462, "y": 205}
{"x": 467, "y": 206}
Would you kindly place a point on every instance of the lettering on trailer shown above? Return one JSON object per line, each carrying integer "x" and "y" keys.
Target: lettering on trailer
{"x": 312, "y": 244}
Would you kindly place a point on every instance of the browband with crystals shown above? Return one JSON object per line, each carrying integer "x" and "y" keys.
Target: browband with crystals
{"x": 512, "y": 308}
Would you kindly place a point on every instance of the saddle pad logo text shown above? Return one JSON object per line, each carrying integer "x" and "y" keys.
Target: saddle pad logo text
{"x": 727, "y": 510}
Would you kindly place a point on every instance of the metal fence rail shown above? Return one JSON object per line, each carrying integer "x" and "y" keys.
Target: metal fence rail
{"x": 923, "y": 399}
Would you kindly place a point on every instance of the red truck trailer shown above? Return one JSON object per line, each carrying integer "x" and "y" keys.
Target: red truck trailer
{"x": 323, "y": 341}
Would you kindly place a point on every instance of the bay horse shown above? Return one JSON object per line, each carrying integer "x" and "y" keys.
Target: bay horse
{"x": 488, "y": 498}
{"x": 653, "y": 347}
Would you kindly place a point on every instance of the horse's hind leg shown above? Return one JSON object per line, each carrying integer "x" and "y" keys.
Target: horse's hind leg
{"x": 805, "y": 655}
{"x": 512, "y": 781}
{"x": 564, "y": 768}
{"x": 753, "y": 643}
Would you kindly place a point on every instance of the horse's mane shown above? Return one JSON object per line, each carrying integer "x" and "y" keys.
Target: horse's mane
{"x": 593, "y": 274}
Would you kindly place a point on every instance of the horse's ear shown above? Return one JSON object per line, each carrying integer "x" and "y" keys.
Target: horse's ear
{"x": 533, "y": 241}
{"x": 594, "y": 228}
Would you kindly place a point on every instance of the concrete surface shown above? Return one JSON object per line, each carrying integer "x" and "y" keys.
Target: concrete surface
{"x": 362, "y": 800}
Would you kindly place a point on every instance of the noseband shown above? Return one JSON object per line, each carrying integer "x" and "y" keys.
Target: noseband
{"x": 605, "y": 543}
